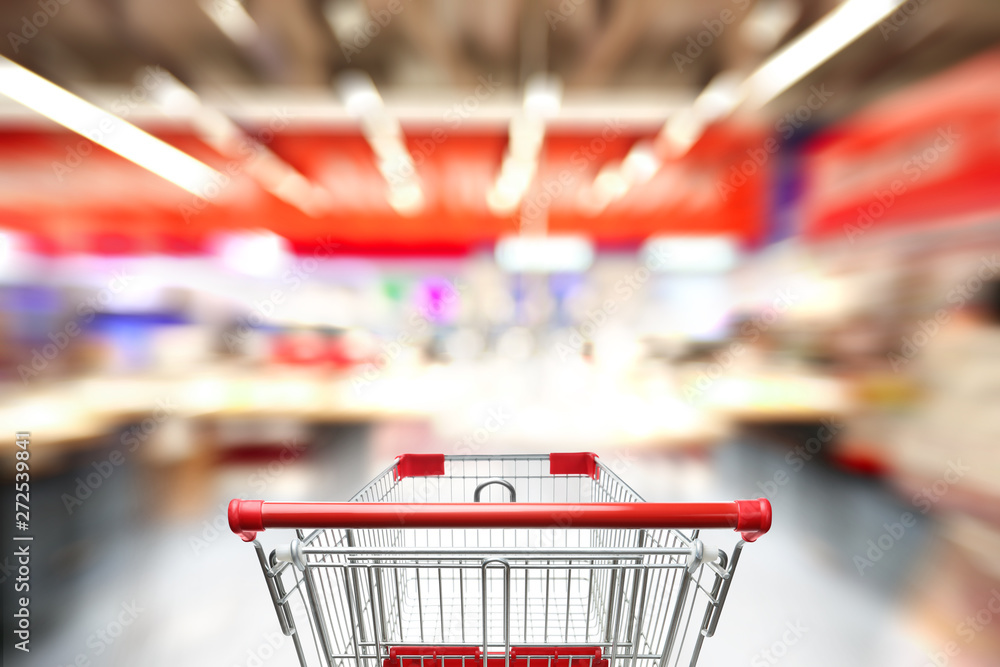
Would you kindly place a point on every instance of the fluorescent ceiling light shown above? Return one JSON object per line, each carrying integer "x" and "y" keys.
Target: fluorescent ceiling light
{"x": 544, "y": 254}
{"x": 682, "y": 131}
{"x": 359, "y": 94}
{"x": 812, "y": 48}
{"x": 502, "y": 201}
{"x": 641, "y": 163}
{"x": 610, "y": 184}
{"x": 397, "y": 168}
{"x": 231, "y": 17}
{"x": 406, "y": 199}
{"x": 106, "y": 129}
{"x": 768, "y": 22}
{"x": 385, "y": 136}
{"x": 542, "y": 100}
{"x": 228, "y": 139}
{"x": 719, "y": 99}
{"x": 347, "y": 18}
{"x": 296, "y": 190}
{"x": 721, "y": 96}
{"x": 379, "y": 124}
{"x": 543, "y": 95}
{"x": 526, "y": 135}
{"x": 819, "y": 43}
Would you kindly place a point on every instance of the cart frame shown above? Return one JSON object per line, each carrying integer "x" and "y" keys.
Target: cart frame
{"x": 601, "y": 579}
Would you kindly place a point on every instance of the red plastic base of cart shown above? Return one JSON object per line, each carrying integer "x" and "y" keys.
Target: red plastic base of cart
{"x": 520, "y": 656}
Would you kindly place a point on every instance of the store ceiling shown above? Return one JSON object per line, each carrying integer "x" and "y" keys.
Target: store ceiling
{"x": 602, "y": 47}
{"x": 619, "y": 60}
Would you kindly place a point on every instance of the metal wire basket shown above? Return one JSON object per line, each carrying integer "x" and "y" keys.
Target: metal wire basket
{"x": 457, "y": 561}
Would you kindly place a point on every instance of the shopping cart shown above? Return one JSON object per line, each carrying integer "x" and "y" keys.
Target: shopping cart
{"x": 555, "y": 562}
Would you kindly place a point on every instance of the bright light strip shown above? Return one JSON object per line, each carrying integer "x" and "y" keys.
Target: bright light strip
{"x": 815, "y": 46}
{"x": 406, "y": 199}
{"x": 544, "y": 254}
{"x": 15, "y": 256}
{"x": 359, "y": 94}
{"x": 232, "y": 18}
{"x": 526, "y": 135}
{"x": 725, "y": 92}
{"x": 610, "y": 184}
{"x": 385, "y": 136}
{"x": 256, "y": 253}
{"x": 85, "y": 119}
{"x": 228, "y": 139}
{"x": 346, "y": 18}
{"x": 682, "y": 131}
{"x": 502, "y": 200}
{"x": 542, "y": 99}
{"x": 690, "y": 254}
{"x": 812, "y": 48}
{"x": 721, "y": 96}
{"x": 768, "y": 22}
{"x": 641, "y": 163}
{"x": 543, "y": 95}
{"x": 719, "y": 99}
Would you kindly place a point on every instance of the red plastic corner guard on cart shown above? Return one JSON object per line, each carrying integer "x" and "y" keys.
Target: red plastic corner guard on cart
{"x": 418, "y": 465}
{"x": 574, "y": 463}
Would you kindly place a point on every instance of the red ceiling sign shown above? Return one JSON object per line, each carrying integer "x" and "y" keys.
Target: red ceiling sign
{"x": 75, "y": 196}
{"x": 927, "y": 154}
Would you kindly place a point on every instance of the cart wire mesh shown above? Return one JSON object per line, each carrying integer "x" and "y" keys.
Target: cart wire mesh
{"x": 402, "y": 597}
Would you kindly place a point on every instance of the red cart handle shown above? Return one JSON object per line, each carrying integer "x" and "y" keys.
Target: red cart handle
{"x": 752, "y": 518}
